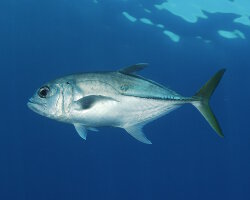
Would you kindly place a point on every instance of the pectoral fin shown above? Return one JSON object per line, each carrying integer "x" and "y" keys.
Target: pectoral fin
{"x": 133, "y": 68}
{"x": 81, "y": 130}
{"x": 137, "y": 133}
{"x": 89, "y": 101}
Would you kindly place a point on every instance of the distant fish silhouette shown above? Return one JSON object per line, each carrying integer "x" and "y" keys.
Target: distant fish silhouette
{"x": 119, "y": 99}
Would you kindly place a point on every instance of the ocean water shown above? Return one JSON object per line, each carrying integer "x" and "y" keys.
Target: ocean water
{"x": 43, "y": 159}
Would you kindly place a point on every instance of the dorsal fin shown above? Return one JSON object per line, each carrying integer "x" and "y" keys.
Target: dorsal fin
{"x": 133, "y": 68}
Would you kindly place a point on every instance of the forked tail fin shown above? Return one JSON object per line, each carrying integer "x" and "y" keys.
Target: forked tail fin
{"x": 201, "y": 101}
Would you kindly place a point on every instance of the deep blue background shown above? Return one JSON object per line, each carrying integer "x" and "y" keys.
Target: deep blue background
{"x": 43, "y": 159}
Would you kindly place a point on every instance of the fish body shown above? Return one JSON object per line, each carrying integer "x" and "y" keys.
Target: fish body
{"x": 118, "y": 99}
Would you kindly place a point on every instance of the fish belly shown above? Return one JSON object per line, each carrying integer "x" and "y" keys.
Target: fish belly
{"x": 124, "y": 112}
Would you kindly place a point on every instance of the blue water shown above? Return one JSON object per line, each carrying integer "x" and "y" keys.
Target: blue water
{"x": 44, "y": 159}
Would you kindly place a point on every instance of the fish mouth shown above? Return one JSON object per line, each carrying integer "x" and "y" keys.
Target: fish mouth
{"x": 34, "y": 106}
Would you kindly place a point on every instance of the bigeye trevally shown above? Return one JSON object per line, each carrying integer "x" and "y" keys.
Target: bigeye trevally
{"x": 119, "y": 99}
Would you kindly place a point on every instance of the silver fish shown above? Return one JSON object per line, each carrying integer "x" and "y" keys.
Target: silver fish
{"x": 118, "y": 99}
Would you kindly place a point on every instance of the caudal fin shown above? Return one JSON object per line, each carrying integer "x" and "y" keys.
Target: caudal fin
{"x": 201, "y": 101}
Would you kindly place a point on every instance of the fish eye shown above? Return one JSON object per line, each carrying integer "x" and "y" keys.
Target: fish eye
{"x": 43, "y": 91}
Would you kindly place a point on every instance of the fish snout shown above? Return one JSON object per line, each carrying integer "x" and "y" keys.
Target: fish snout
{"x": 33, "y": 105}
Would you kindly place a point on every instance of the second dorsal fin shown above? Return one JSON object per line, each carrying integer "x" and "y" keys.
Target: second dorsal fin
{"x": 133, "y": 68}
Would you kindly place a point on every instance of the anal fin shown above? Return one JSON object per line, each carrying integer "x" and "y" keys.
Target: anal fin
{"x": 136, "y": 132}
{"x": 81, "y": 130}
{"x": 92, "y": 129}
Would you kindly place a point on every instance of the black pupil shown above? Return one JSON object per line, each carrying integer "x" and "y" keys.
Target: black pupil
{"x": 43, "y": 92}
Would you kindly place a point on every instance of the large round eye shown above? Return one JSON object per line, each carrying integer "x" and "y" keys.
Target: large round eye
{"x": 43, "y": 91}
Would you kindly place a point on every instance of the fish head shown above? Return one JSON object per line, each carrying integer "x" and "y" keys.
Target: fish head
{"x": 47, "y": 100}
